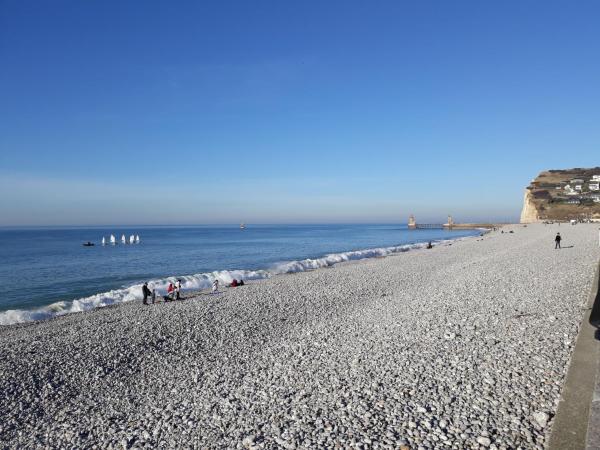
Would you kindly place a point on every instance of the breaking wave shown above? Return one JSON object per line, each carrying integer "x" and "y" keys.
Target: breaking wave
{"x": 196, "y": 282}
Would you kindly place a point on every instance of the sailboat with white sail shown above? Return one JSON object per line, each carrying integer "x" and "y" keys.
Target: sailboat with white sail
{"x": 132, "y": 239}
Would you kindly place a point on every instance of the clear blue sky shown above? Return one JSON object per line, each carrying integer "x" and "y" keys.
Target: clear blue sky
{"x": 131, "y": 112}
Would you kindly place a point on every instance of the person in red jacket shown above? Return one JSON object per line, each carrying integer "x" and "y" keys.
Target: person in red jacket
{"x": 234, "y": 283}
{"x": 170, "y": 291}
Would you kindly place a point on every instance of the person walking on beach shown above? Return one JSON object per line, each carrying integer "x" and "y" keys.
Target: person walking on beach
{"x": 146, "y": 292}
{"x": 557, "y": 240}
{"x": 171, "y": 291}
{"x": 153, "y": 296}
{"x": 215, "y": 286}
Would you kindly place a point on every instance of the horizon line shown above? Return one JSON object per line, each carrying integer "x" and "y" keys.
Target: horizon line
{"x": 230, "y": 224}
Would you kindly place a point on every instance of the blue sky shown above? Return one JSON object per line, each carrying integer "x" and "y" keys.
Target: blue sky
{"x": 268, "y": 112}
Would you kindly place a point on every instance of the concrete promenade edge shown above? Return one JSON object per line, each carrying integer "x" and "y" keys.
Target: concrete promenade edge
{"x": 576, "y": 425}
{"x": 593, "y": 434}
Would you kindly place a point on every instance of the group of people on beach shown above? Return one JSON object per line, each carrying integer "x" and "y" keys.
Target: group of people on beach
{"x": 234, "y": 283}
{"x": 148, "y": 293}
{"x": 173, "y": 293}
{"x": 174, "y": 290}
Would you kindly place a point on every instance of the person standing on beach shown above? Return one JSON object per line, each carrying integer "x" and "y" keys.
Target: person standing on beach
{"x": 557, "y": 240}
{"x": 146, "y": 293}
{"x": 215, "y": 286}
{"x": 178, "y": 289}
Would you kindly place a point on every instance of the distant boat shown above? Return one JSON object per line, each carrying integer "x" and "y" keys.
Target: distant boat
{"x": 113, "y": 240}
{"x": 137, "y": 238}
{"x": 103, "y": 240}
{"x": 123, "y": 240}
{"x": 132, "y": 239}
{"x": 242, "y": 226}
{"x": 88, "y": 244}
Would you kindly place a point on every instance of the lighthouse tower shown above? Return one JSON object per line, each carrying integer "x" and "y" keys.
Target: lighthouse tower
{"x": 412, "y": 224}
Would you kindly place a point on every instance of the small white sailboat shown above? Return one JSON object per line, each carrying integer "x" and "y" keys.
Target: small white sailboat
{"x": 103, "y": 240}
{"x": 123, "y": 239}
{"x": 113, "y": 240}
{"x": 242, "y": 226}
{"x": 132, "y": 239}
{"x": 137, "y": 238}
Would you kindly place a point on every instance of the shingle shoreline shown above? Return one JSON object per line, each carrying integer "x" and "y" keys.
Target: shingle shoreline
{"x": 461, "y": 346}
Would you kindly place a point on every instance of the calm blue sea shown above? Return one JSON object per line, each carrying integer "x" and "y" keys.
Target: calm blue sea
{"x": 44, "y": 272}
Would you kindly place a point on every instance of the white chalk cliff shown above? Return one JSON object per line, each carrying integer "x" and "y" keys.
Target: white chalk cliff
{"x": 529, "y": 214}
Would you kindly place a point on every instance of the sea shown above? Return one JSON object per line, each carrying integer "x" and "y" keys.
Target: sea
{"x": 45, "y": 272}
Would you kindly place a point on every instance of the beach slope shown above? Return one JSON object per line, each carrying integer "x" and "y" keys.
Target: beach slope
{"x": 460, "y": 346}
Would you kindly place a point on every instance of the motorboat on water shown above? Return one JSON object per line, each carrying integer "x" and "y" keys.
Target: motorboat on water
{"x": 88, "y": 244}
{"x": 242, "y": 226}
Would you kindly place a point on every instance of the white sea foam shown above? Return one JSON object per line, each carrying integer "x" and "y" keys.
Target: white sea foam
{"x": 194, "y": 283}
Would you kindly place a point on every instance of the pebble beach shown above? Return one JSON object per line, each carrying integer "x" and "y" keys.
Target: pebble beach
{"x": 463, "y": 346}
